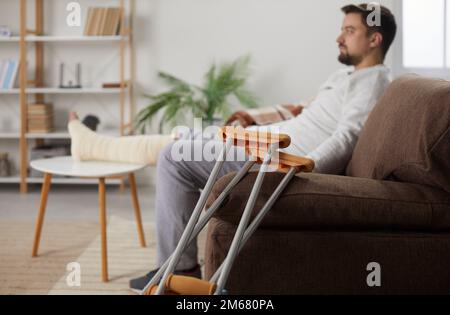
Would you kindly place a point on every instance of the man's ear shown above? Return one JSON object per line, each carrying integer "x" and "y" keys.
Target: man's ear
{"x": 376, "y": 39}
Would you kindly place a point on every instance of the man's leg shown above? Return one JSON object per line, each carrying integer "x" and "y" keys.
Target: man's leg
{"x": 88, "y": 145}
{"x": 177, "y": 193}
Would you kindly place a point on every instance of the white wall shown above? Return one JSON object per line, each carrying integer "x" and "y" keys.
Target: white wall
{"x": 292, "y": 43}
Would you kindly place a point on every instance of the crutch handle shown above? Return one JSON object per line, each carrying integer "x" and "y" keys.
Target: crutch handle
{"x": 243, "y": 137}
{"x": 286, "y": 161}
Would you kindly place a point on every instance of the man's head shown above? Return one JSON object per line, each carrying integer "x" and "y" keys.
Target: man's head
{"x": 359, "y": 41}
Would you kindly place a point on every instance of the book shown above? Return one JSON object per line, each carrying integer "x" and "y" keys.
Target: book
{"x": 3, "y": 66}
{"x": 108, "y": 29}
{"x": 88, "y": 24}
{"x": 93, "y": 22}
{"x": 10, "y": 74}
{"x": 114, "y": 18}
{"x": 14, "y": 76}
{"x": 40, "y": 118}
{"x": 102, "y": 21}
{"x": 118, "y": 22}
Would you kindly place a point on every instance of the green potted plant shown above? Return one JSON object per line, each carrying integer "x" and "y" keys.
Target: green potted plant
{"x": 221, "y": 83}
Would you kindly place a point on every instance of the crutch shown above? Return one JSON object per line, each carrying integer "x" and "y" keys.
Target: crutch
{"x": 261, "y": 147}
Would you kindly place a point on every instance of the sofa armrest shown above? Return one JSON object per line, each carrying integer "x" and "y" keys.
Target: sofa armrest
{"x": 313, "y": 201}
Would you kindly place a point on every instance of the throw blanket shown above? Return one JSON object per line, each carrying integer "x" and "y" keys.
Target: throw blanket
{"x": 265, "y": 115}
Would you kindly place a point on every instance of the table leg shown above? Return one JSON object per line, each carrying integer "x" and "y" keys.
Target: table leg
{"x": 102, "y": 205}
{"x": 137, "y": 209}
{"x": 41, "y": 213}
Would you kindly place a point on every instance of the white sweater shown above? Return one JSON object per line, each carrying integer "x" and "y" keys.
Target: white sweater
{"x": 328, "y": 128}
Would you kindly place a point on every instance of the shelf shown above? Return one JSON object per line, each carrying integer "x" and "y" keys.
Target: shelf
{"x": 10, "y": 39}
{"x": 56, "y": 90}
{"x": 74, "y": 38}
{"x": 50, "y": 135}
{"x": 31, "y": 39}
{"x": 58, "y": 134}
{"x": 10, "y": 91}
{"x": 58, "y": 180}
{"x": 9, "y": 135}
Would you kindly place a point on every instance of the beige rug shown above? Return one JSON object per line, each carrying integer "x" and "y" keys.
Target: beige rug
{"x": 66, "y": 242}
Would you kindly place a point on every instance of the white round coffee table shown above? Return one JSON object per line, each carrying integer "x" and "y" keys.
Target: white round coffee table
{"x": 66, "y": 166}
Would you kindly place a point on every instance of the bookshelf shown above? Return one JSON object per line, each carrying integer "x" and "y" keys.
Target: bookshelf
{"x": 31, "y": 44}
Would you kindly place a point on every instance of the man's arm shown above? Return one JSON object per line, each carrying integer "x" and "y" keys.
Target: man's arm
{"x": 264, "y": 115}
{"x": 333, "y": 155}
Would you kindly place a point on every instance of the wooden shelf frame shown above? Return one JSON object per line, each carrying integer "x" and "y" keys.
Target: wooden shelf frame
{"x": 36, "y": 36}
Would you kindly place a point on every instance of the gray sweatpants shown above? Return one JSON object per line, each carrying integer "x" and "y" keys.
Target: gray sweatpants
{"x": 177, "y": 192}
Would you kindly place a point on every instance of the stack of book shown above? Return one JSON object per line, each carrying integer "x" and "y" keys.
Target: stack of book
{"x": 40, "y": 118}
{"x": 8, "y": 73}
{"x": 103, "y": 21}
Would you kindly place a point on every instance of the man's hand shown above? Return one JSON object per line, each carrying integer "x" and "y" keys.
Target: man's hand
{"x": 240, "y": 118}
{"x": 250, "y": 117}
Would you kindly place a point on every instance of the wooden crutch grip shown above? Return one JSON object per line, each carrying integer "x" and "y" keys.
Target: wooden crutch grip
{"x": 281, "y": 160}
{"x": 184, "y": 285}
{"x": 243, "y": 137}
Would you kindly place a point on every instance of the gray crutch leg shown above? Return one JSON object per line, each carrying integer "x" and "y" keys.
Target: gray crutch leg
{"x": 175, "y": 258}
{"x": 255, "y": 223}
{"x": 244, "y": 222}
{"x": 204, "y": 219}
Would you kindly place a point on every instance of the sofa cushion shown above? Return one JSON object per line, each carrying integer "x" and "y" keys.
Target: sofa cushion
{"x": 406, "y": 137}
{"x": 317, "y": 201}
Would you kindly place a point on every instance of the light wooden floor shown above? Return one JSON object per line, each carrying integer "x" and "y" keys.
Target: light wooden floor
{"x": 71, "y": 234}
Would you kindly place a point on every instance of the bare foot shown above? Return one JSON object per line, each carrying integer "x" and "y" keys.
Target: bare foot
{"x": 73, "y": 116}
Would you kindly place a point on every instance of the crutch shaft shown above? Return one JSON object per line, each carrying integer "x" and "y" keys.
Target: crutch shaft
{"x": 243, "y": 223}
{"x": 257, "y": 221}
{"x": 195, "y": 215}
{"x": 204, "y": 219}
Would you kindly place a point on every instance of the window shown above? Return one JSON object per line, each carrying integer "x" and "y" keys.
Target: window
{"x": 424, "y": 37}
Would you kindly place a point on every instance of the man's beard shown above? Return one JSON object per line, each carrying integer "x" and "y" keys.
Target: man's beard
{"x": 349, "y": 60}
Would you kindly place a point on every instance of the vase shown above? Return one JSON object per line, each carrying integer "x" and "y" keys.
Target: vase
{"x": 5, "y": 169}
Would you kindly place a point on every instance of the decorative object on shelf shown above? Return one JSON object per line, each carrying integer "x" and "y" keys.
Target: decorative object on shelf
{"x": 113, "y": 85}
{"x": 103, "y": 21}
{"x": 69, "y": 84}
{"x": 8, "y": 73}
{"x": 40, "y": 118}
{"x": 221, "y": 82}
{"x": 5, "y": 167}
{"x": 91, "y": 122}
{"x": 5, "y": 31}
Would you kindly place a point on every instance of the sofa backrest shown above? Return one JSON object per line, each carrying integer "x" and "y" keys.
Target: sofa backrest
{"x": 406, "y": 137}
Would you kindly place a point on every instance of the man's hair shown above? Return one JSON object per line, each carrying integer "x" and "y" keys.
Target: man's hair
{"x": 387, "y": 27}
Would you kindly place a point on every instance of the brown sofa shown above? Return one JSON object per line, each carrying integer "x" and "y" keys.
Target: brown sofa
{"x": 392, "y": 207}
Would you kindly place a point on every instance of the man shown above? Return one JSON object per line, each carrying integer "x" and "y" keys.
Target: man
{"x": 326, "y": 131}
